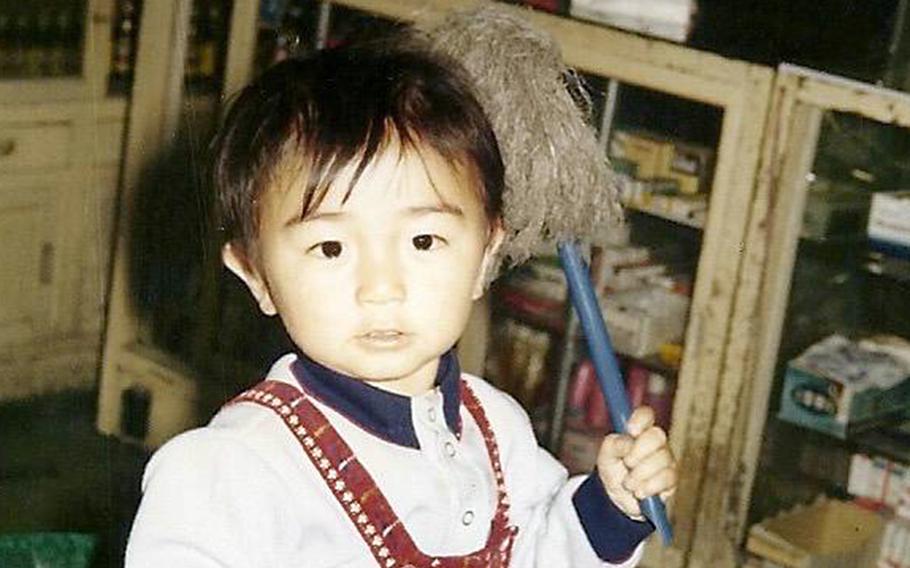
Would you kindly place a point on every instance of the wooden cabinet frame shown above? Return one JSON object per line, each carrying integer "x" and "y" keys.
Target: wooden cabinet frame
{"x": 153, "y": 122}
{"x": 63, "y": 150}
{"x": 801, "y": 96}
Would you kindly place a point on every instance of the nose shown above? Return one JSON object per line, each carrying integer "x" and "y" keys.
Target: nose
{"x": 379, "y": 279}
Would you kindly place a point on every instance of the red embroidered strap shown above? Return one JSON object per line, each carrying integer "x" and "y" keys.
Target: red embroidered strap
{"x": 360, "y": 497}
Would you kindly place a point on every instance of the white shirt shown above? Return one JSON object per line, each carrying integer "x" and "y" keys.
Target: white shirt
{"x": 239, "y": 492}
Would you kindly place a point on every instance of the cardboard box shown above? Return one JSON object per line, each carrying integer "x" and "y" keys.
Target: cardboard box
{"x": 666, "y": 19}
{"x": 825, "y": 534}
{"x": 687, "y": 167}
{"x": 889, "y": 218}
{"x": 652, "y": 155}
{"x": 838, "y": 404}
{"x": 641, "y": 320}
{"x": 691, "y": 167}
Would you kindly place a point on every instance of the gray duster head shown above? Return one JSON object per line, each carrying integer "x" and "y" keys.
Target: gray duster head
{"x": 558, "y": 183}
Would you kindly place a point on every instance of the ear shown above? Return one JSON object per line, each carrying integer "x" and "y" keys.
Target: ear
{"x": 238, "y": 263}
{"x": 497, "y": 235}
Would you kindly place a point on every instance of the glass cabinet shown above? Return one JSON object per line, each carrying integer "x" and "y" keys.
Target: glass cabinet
{"x": 832, "y": 388}
{"x": 55, "y": 50}
{"x": 42, "y": 39}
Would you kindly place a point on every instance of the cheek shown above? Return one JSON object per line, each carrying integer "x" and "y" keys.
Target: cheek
{"x": 446, "y": 287}
{"x": 309, "y": 299}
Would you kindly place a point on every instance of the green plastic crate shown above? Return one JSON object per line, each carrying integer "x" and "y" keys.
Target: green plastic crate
{"x": 47, "y": 550}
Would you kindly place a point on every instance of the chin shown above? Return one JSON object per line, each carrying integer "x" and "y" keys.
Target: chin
{"x": 384, "y": 368}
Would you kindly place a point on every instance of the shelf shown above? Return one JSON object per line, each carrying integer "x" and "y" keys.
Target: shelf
{"x": 889, "y": 261}
{"x": 549, "y": 316}
{"x": 892, "y": 443}
{"x": 653, "y": 363}
{"x": 870, "y": 258}
{"x": 895, "y": 269}
{"x": 540, "y": 313}
{"x": 880, "y": 437}
{"x": 666, "y": 216}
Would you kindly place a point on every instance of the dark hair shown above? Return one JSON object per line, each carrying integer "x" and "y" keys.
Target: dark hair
{"x": 331, "y": 108}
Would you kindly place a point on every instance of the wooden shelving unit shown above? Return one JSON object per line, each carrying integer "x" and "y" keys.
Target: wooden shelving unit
{"x": 60, "y": 150}
{"x": 802, "y": 98}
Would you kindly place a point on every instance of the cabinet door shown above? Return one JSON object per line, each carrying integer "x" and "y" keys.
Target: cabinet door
{"x": 831, "y": 391}
{"x": 834, "y": 381}
{"x": 28, "y": 260}
{"x": 95, "y": 247}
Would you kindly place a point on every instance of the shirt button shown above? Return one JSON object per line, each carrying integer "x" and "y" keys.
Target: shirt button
{"x": 450, "y": 449}
{"x": 467, "y": 518}
{"x": 431, "y": 414}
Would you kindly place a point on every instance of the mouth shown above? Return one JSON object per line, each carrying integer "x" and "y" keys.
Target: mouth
{"x": 383, "y": 337}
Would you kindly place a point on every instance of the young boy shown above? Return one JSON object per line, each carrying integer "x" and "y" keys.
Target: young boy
{"x": 361, "y": 193}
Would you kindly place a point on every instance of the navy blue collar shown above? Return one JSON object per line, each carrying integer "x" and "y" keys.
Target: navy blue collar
{"x": 382, "y": 413}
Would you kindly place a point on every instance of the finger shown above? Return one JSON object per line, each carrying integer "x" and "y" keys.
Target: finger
{"x": 615, "y": 447}
{"x": 650, "y": 441}
{"x": 664, "y": 481}
{"x": 610, "y": 461}
{"x": 628, "y": 504}
{"x": 641, "y": 420}
{"x": 648, "y": 468}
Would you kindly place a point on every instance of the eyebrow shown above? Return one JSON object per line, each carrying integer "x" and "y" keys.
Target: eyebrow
{"x": 442, "y": 208}
{"x": 317, "y": 216}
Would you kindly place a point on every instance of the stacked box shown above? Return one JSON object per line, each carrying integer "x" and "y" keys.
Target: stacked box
{"x": 889, "y": 221}
{"x": 641, "y": 320}
{"x": 838, "y": 387}
{"x": 824, "y": 534}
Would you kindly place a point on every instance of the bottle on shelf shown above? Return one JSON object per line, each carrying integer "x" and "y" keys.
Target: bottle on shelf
{"x": 60, "y": 47}
{"x": 191, "y": 70}
{"x": 70, "y": 28}
{"x": 35, "y": 24}
{"x": 124, "y": 45}
{"x": 20, "y": 34}
{"x": 289, "y": 34}
{"x": 7, "y": 45}
{"x": 205, "y": 45}
{"x": 211, "y": 26}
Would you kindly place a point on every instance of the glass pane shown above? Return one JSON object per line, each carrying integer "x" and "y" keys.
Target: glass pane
{"x": 840, "y": 388}
{"x": 207, "y": 46}
{"x": 285, "y": 27}
{"x": 206, "y": 49}
{"x": 288, "y": 27}
{"x": 175, "y": 249}
{"x": 663, "y": 148}
{"x": 41, "y": 39}
{"x": 349, "y": 24}
{"x": 124, "y": 35}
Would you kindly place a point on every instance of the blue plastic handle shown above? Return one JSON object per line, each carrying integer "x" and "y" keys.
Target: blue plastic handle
{"x": 608, "y": 374}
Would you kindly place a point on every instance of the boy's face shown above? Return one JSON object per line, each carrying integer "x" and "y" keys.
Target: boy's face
{"x": 380, "y": 286}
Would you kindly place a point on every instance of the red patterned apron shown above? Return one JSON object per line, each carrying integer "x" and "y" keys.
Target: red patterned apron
{"x": 357, "y": 493}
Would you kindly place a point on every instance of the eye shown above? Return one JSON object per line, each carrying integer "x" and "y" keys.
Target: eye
{"x": 427, "y": 242}
{"x": 327, "y": 249}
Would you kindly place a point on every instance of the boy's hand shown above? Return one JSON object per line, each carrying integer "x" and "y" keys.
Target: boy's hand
{"x": 637, "y": 465}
